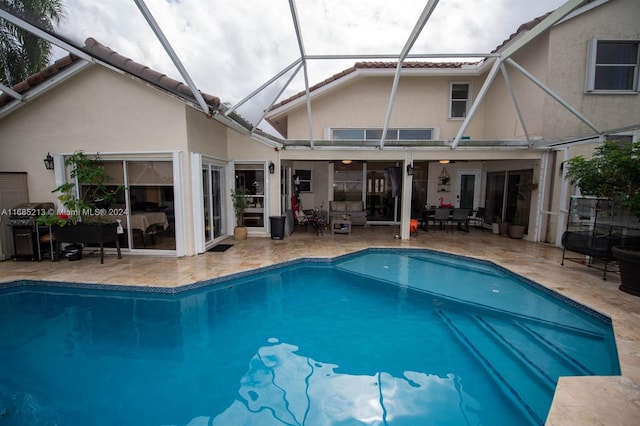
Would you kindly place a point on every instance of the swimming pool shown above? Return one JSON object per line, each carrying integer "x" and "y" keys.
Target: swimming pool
{"x": 379, "y": 337}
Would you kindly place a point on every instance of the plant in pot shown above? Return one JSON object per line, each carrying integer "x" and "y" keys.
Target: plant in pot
{"x": 83, "y": 218}
{"x": 240, "y": 202}
{"x": 614, "y": 173}
{"x": 495, "y": 225}
{"x": 503, "y": 227}
{"x": 517, "y": 227}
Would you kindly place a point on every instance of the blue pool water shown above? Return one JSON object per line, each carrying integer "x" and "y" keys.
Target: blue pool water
{"x": 402, "y": 337}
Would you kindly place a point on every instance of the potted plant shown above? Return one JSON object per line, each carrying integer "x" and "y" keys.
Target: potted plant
{"x": 614, "y": 173}
{"x": 82, "y": 220}
{"x": 240, "y": 202}
{"x": 495, "y": 225}
{"x": 503, "y": 227}
{"x": 517, "y": 227}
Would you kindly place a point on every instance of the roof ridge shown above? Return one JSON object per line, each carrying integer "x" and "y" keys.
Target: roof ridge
{"x": 113, "y": 58}
{"x": 411, "y": 64}
{"x": 39, "y": 77}
{"x": 144, "y": 72}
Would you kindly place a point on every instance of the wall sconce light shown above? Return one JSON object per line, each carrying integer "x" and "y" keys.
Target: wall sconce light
{"x": 443, "y": 161}
{"x": 48, "y": 161}
{"x": 409, "y": 169}
{"x": 272, "y": 168}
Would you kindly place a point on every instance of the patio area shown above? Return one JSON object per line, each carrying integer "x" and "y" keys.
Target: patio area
{"x": 579, "y": 401}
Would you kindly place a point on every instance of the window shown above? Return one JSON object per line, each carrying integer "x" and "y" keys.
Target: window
{"x": 459, "y": 100}
{"x": 612, "y": 66}
{"x": 303, "y": 180}
{"x": 348, "y": 133}
{"x": 418, "y": 134}
{"x": 250, "y": 176}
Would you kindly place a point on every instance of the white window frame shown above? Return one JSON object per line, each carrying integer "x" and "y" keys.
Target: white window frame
{"x": 300, "y": 181}
{"x": 393, "y": 134}
{"x": 467, "y": 100}
{"x": 592, "y": 50}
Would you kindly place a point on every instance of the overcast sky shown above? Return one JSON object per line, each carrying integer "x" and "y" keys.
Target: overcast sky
{"x": 230, "y": 48}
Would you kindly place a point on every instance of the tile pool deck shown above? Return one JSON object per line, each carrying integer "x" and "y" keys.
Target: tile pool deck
{"x": 578, "y": 400}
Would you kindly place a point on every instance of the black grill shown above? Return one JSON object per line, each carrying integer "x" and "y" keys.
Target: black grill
{"x": 26, "y": 235}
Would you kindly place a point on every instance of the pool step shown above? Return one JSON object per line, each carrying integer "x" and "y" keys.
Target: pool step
{"x": 504, "y": 350}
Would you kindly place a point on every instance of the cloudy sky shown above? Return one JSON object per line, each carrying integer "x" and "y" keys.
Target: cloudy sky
{"x": 230, "y": 48}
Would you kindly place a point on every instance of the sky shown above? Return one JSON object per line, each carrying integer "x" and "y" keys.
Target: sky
{"x": 230, "y": 48}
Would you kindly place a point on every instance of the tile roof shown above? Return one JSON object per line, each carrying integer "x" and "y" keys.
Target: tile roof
{"x": 411, "y": 65}
{"x": 105, "y": 54}
{"x": 38, "y": 78}
{"x": 102, "y": 52}
{"x": 374, "y": 65}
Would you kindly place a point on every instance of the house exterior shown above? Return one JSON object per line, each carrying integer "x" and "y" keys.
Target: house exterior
{"x": 153, "y": 139}
{"x": 496, "y": 128}
{"x": 559, "y": 114}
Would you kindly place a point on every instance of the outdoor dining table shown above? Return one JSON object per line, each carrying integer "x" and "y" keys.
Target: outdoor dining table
{"x": 429, "y": 215}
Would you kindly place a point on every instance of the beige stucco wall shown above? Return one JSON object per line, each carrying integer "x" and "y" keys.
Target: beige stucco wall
{"x": 501, "y": 118}
{"x": 242, "y": 148}
{"x": 97, "y": 111}
{"x": 102, "y": 111}
{"x": 205, "y": 135}
{"x": 617, "y": 19}
{"x": 363, "y": 102}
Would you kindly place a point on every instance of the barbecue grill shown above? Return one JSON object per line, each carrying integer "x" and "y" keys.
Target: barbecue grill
{"x": 26, "y": 235}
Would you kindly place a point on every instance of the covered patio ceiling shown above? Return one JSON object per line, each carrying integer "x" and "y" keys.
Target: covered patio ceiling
{"x": 264, "y": 97}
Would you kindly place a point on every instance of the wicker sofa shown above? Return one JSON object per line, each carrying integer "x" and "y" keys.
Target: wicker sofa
{"x": 355, "y": 209}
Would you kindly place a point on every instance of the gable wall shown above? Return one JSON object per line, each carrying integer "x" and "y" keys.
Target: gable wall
{"x": 420, "y": 102}
{"x": 97, "y": 111}
{"x": 206, "y": 135}
{"x": 618, "y": 19}
{"x": 501, "y": 119}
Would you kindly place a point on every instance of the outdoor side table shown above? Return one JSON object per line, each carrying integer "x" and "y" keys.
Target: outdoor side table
{"x": 341, "y": 226}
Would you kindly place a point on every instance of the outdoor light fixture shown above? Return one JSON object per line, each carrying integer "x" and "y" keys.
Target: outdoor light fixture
{"x": 272, "y": 168}
{"x": 443, "y": 161}
{"x": 48, "y": 161}
{"x": 409, "y": 169}
{"x": 346, "y": 161}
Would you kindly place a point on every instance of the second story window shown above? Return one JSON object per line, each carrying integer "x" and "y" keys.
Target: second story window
{"x": 393, "y": 134}
{"x": 612, "y": 66}
{"x": 460, "y": 98}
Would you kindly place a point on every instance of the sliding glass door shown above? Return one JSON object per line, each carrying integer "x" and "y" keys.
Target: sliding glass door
{"x": 213, "y": 201}
{"x": 144, "y": 204}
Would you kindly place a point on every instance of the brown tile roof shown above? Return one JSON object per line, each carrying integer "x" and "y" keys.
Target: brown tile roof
{"x": 39, "y": 77}
{"x": 160, "y": 80}
{"x": 373, "y": 65}
{"x": 103, "y": 53}
{"x": 410, "y": 65}
{"x": 527, "y": 26}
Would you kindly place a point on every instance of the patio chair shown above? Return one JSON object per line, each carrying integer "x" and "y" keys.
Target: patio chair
{"x": 477, "y": 218}
{"x": 305, "y": 218}
{"x": 461, "y": 217}
{"x": 442, "y": 216}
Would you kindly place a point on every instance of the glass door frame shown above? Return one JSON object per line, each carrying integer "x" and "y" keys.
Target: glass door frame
{"x": 199, "y": 164}
{"x": 262, "y": 198}
{"x": 213, "y": 234}
{"x": 477, "y": 173}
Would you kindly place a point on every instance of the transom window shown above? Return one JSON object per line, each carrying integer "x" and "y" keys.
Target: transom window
{"x": 613, "y": 66}
{"x": 459, "y": 100}
{"x": 376, "y": 134}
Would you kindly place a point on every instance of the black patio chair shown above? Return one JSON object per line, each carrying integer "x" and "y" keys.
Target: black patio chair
{"x": 461, "y": 217}
{"x": 477, "y": 218}
{"x": 442, "y": 216}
